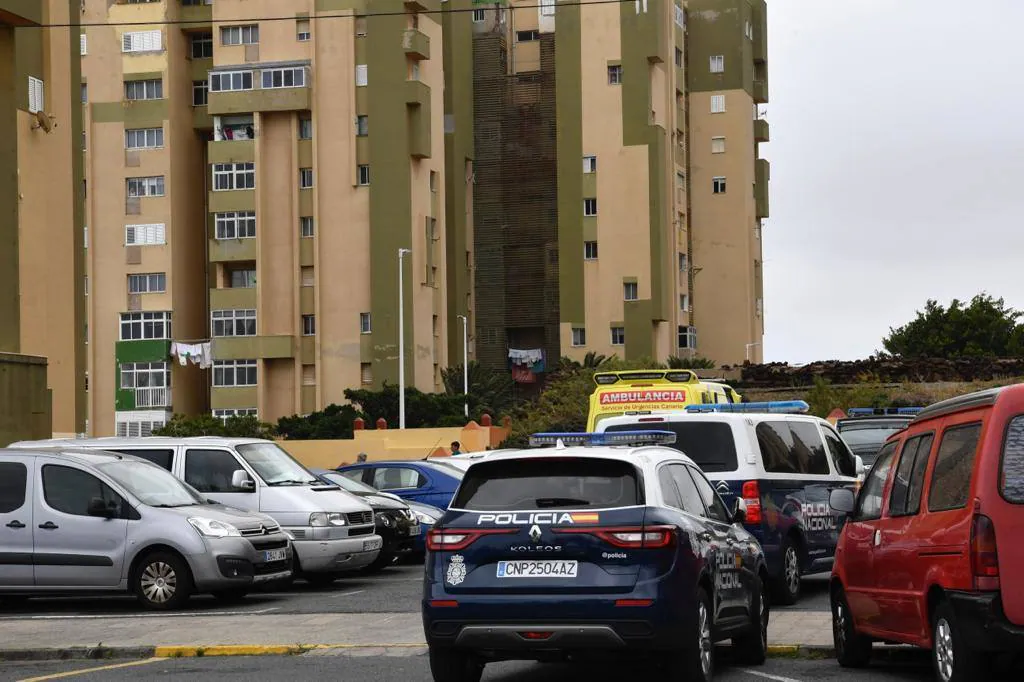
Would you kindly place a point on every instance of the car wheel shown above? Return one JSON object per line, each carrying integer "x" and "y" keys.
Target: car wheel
{"x": 695, "y": 659}
{"x": 752, "y": 648}
{"x": 451, "y": 665}
{"x": 952, "y": 659}
{"x": 231, "y": 596}
{"x": 853, "y": 650}
{"x": 788, "y": 583}
{"x": 162, "y": 581}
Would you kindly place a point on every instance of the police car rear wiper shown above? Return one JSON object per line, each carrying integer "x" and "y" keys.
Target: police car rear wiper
{"x": 545, "y": 502}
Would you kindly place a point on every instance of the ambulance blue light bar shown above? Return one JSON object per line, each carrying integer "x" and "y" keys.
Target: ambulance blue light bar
{"x": 867, "y": 411}
{"x": 629, "y": 438}
{"x": 772, "y": 407}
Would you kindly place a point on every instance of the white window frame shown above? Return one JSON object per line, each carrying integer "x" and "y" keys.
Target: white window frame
{"x": 306, "y": 178}
{"x": 684, "y": 262}
{"x": 232, "y": 81}
{"x": 547, "y": 8}
{"x": 36, "y": 95}
{"x": 224, "y": 414}
{"x": 305, "y": 129}
{"x": 277, "y": 79}
{"x": 680, "y": 16}
{"x": 149, "y": 234}
{"x": 716, "y": 63}
{"x": 589, "y": 212}
{"x": 684, "y": 302}
{"x": 246, "y": 34}
{"x": 362, "y": 75}
{"x": 231, "y": 277}
{"x": 234, "y": 225}
{"x": 307, "y": 226}
{"x": 200, "y": 91}
{"x": 362, "y": 125}
{"x": 139, "y": 424}
{"x": 234, "y": 176}
{"x": 365, "y": 323}
{"x": 718, "y": 144}
{"x": 579, "y": 337}
{"x": 151, "y": 186}
{"x": 479, "y": 15}
{"x": 363, "y": 175}
{"x": 133, "y": 42}
{"x": 586, "y": 250}
{"x": 589, "y": 164}
{"x": 630, "y": 291}
{"x": 717, "y": 104}
{"x": 366, "y": 373}
{"x": 689, "y": 333}
{"x": 615, "y": 74}
{"x": 202, "y": 41}
{"x": 151, "y": 89}
{"x": 618, "y": 331}
{"x": 144, "y": 138}
{"x": 145, "y": 326}
{"x": 718, "y": 184}
{"x": 229, "y": 323}
{"x": 234, "y": 373}
{"x": 309, "y": 325}
{"x": 152, "y": 283}
{"x": 303, "y": 35}
{"x": 83, "y": 42}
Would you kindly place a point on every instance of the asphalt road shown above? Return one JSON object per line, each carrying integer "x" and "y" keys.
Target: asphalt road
{"x": 395, "y": 590}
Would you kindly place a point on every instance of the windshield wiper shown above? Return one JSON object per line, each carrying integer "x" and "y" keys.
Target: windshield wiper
{"x": 174, "y": 506}
{"x": 545, "y": 502}
{"x": 291, "y": 482}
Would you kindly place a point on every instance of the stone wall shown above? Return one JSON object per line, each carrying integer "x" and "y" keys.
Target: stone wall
{"x": 779, "y": 375}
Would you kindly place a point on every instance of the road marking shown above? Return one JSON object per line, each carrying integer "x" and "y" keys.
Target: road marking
{"x": 86, "y": 671}
{"x": 141, "y": 615}
{"x": 775, "y": 678}
{"x": 346, "y": 594}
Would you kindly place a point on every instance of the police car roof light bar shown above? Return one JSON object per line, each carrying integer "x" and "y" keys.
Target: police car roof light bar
{"x": 627, "y": 438}
{"x": 772, "y": 407}
{"x": 866, "y": 411}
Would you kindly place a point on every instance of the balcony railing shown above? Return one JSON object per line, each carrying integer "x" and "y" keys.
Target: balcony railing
{"x": 152, "y": 397}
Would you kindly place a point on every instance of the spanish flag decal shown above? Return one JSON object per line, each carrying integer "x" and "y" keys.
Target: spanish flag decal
{"x": 585, "y": 518}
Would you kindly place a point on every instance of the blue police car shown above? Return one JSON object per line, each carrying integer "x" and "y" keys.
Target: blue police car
{"x": 595, "y": 545}
{"x": 782, "y": 462}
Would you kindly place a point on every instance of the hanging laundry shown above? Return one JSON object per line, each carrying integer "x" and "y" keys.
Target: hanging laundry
{"x": 523, "y": 375}
{"x": 205, "y": 355}
{"x": 526, "y": 357}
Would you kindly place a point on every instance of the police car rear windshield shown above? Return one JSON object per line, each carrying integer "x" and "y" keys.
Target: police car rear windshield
{"x": 546, "y": 483}
{"x": 709, "y": 444}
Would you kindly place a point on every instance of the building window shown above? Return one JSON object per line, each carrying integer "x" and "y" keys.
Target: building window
{"x": 242, "y": 278}
{"x": 240, "y": 35}
{"x": 679, "y": 58}
{"x": 305, "y": 129}
{"x": 200, "y": 93}
{"x": 149, "y": 283}
{"x": 228, "y": 373}
{"x": 85, "y": 94}
{"x": 309, "y": 325}
{"x": 717, "y": 104}
{"x": 630, "y": 291}
{"x": 717, "y": 63}
{"x": 433, "y": 181}
{"x": 309, "y": 375}
{"x": 618, "y": 336}
{"x": 683, "y": 262}
{"x": 547, "y": 8}
{"x": 145, "y": 187}
{"x": 590, "y": 207}
{"x": 684, "y": 303}
{"x": 145, "y": 326}
{"x": 36, "y": 95}
{"x": 233, "y": 323}
{"x": 142, "y": 41}
{"x": 717, "y": 145}
{"x": 302, "y": 30}
{"x": 589, "y": 250}
{"x": 226, "y": 81}
{"x": 579, "y": 336}
{"x": 147, "y": 89}
{"x": 478, "y": 16}
{"x": 362, "y": 125}
{"x": 202, "y": 45}
{"x": 366, "y": 373}
{"x": 748, "y": 30}
{"x": 136, "y": 428}
{"x": 364, "y": 323}
{"x": 83, "y": 43}
{"x": 527, "y": 36}
{"x": 144, "y": 138}
{"x": 687, "y": 337}
{"x": 235, "y": 225}
{"x": 364, "y": 175}
{"x": 589, "y": 164}
{"x": 680, "y": 17}
{"x": 615, "y": 74}
{"x": 305, "y": 178}
{"x": 232, "y": 176}
{"x": 307, "y": 227}
{"x": 718, "y": 185}
{"x": 151, "y": 382}
{"x": 361, "y": 75}
{"x": 291, "y": 77}
{"x": 225, "y": 414}
{"x": 153, "y": 234}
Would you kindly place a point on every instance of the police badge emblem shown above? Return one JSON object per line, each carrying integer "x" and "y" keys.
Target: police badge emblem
{"x": 456, "y": 570}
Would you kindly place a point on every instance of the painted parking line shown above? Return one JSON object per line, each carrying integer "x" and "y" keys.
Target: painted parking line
{"x": 766, "y": 676}
{"x": 86, "y": 671}
{"x": 183, "y": 614}
{"x": 346, "y": 594}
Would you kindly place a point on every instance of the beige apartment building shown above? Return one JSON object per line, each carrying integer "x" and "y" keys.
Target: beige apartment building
{"x": 612, "y": 196}
{"x": 42, "y": 265}
{"x": 255, "y": 168}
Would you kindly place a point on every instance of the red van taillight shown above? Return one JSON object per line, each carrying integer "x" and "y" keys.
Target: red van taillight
{"x": 649, "y": 537}
{"x": 457, "y": 539}
{"x": 984, "y": 558}
{"x": 752, "y": 496}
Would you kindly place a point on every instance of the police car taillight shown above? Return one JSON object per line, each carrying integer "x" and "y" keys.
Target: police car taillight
{"x": 752, "y": 497}
{"x": 649, "y": 537}
{"x": 456, "y": 539}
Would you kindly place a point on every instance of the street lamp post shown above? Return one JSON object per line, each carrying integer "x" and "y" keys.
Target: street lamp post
{"x": 465, "y": 361}
{"x": 402, "y": 253}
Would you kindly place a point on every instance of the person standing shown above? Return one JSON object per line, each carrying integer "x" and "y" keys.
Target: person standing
{"x": 456, "y": 448}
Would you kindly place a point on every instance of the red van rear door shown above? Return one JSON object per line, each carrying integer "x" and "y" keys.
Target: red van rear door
{"x": 1009, "y": 522}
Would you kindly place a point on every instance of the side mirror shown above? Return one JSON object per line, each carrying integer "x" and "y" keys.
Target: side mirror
{"x": 842, "y": 500}
{"x": 739, "y": 512}
{"x": 861, "y": 469}
{"x": 240, "y": 481}
{"x": 98, "y": 507}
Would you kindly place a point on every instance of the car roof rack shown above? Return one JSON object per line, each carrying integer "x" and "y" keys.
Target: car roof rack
{"x": 620, "y": 438}
{"x": 771, "y": 407}
{"x": 869, "y": 411}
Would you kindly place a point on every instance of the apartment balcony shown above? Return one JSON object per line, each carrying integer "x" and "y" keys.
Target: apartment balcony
{"x": 226, "y": 398}
{"x": 416, "y": 44}
{"x": 232, "y": 250}
{"x": 153, "y": 397}
{"x": 760, "y": 91}
{"x": 254, "y": 347}
{"x": 233, "y": 298}
{"x": 268, "y": 92}
{"x": 417, "y": 93}
{"x": 762, "y": 177}
{"x": 202, "y": 15}
{"x": 647, "y": 30}
{"x": 760, "y": 130}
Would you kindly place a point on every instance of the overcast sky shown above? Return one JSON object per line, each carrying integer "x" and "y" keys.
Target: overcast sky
{"x": 897, "y": 167}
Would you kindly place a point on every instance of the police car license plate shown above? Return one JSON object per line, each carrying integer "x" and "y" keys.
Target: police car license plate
{"x": 370, "y": 545}
{"x": 276, "y": 555}
{"x": 537, "y": 569}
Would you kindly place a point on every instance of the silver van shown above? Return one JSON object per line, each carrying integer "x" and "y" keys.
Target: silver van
{"x": 74, "y": 520}
{"x": 332, "y": 532}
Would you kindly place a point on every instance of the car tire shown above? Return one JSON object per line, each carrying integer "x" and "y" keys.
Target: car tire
{"x": 162, "y": 581}
{"x": 233, "y": 596}
{"x": 452, "y": 665}
{"x": 788, "y": 584}
{"x": 752, "y": 648}
{"x": 695, "y": 660}
{"x": 853, "y": 650}
{"x": 952, "y": 659}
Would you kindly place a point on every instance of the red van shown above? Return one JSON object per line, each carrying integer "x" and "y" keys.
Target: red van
{"x": 932, "y": 552}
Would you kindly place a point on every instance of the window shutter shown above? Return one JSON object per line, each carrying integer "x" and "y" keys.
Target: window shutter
{"x": 361, "y": 75}
{"x": 84, "y": 44}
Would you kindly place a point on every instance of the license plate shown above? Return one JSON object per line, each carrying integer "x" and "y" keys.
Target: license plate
{"x": 370, "y": 545}
{"x": 537, "y": 569}
{"x": 276, "y": 555}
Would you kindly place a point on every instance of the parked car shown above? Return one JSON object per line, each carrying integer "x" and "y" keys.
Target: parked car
{"x": 76, "y": 520}
{"x": 932, "y": 553}
{"x": 333, "y": 533}
{"x": 781, "y": 462}
{"x": 395, "y": 522}
{"x": 865, "y": 430}
{"x": 431, "y": 482}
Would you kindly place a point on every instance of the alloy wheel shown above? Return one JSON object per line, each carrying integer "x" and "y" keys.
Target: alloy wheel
{"x": 944, "y": 649}
{"x": 705, "y": 644}
{"x": 792, "y": 570}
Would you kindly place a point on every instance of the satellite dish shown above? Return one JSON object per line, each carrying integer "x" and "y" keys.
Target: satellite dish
{"x": 45, "y": 121}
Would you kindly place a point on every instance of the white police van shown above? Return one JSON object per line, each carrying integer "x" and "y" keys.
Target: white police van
{"x": 782, "y": 462}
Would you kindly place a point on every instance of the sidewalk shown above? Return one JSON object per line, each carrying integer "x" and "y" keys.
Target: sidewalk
{"x": 247, "y": 633}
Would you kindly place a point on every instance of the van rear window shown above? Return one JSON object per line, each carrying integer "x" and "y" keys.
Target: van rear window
{"x": 709, "y": 444}
{"x": 792, "y": 447}
{"x": 1011, "y": 479}
{"x": 547, "y": 483}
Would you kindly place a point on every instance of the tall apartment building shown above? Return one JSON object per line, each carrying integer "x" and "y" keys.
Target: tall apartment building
{"x": 42, "y": 264}
{"x": 594, "y": 209}
{"x": 253, "y": 177}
